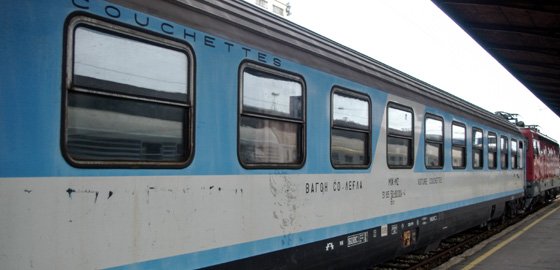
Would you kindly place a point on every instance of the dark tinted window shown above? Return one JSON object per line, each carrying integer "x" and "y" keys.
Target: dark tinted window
{"x": 128, "y": 99}
{"x": 350, "y": 131}
{"x": 504, "y": 152}
{"x": 492, "y": 150}
{"x": 433, "y": 133}
{"x": 458, "y": 150}
{"x": 520, "y": 155}
{"x": 514, "y": 153}
{"x": 271, "y": 123}
{"x": 400, "y": 136}
{"x": 477, "y": 149}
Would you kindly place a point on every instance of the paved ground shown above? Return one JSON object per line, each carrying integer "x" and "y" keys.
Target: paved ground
{"x": 533, "y": 243}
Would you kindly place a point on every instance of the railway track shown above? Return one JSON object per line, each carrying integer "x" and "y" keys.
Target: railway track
{"x": 452, "y": 246}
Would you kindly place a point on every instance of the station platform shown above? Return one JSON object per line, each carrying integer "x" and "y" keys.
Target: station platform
{"x": 533, "y": 243}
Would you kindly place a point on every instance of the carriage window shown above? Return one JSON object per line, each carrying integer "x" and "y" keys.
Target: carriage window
{"x": 477, "y": 151}
{"x": 514, "y": 154}
{"x": 271, "y": 121}
{"x": 504, "y": 152}
{"x": 520, "y": 155}
{"x": 536, "y": 147}
{"x": 128, "y": 98}
{"x": 400, "y": 136}
{"x": 433, "y": 133}
{"x": 459, "y": 140}
{"x": 492, "y": 150}
{"x": 350, "y": 131}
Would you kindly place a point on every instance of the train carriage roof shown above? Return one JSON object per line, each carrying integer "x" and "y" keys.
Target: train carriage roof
{"x": 244, "y": 23}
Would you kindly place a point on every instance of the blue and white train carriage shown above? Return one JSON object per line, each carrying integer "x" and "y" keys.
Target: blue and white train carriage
{"x": 192, "y": 134}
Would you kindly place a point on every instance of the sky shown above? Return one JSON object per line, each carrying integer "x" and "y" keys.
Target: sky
{"x": 416, "y": 37}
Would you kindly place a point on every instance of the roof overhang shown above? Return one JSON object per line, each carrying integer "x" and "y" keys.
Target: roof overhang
{"x": 523, "y": 35}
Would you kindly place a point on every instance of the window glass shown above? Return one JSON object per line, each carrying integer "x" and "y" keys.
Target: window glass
{"x": 458, "y": 134}
{"x": 399, "y": 136}
{"x": 350, "y": 112}
{"x": 105, "y": 128}
{"x": 492, "y": 141}
{"x": 262, "y": 3}
{"x": 491, "y": 161}
{"x": 434, "y": 155}
{"x": 271, "y": 122}
{"x": 398, "y": 151}
{"x": 121, "y": 64}
{"x": 457, "y": 154}
{"x": 278, "y": 10}
{"x": 349, "y": 148}
{"x": 268, "y": 141}
{"x": 492, "y": 151}
{"x": 434, "y": 129}
{"x": 477, "y": 139}
{"x": 127, "y": 102}
{"x": 536, "y": 147}
{"x": 477, "y": 159}
{"x": 350, "y": 129}
{"x": 458, "y": 150}
{"x": 400, "y": 122}
{"x": 434, "y": 142}
{"x": 265, "y": 93}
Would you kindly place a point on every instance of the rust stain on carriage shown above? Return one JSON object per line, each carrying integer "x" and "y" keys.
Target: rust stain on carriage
{"x": 284, "y": 192}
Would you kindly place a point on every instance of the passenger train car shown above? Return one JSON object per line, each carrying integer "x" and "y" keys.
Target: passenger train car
{"x": 209, "y": 134}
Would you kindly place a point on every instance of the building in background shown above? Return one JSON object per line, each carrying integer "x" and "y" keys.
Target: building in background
{"x": 278, "y": 7}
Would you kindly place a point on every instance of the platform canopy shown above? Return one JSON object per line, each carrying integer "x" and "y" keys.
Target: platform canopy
{"x": 523, "y": 35}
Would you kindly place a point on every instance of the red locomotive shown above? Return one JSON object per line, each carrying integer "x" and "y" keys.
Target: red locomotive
{"x": 542, "y": 164}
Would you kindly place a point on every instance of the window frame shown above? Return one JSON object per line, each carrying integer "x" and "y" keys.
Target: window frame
{"x": 277, "y": 10}
{"x": 262, "y": 3}
{"x": 440, "y": 143}
{"x": 358, "y": 95}
{"x": 411, "y": 152}
{"x": 462, "y": 146}
{"x": 521, "y": 154}
{"x": 536, "y": 147}
{"x": 513, "y": 155}
{"x": 477, "y": 148}
{"x": 301, "y": 140}
{"x": 506, "y": 153}
{"x": 149, "y": 38}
